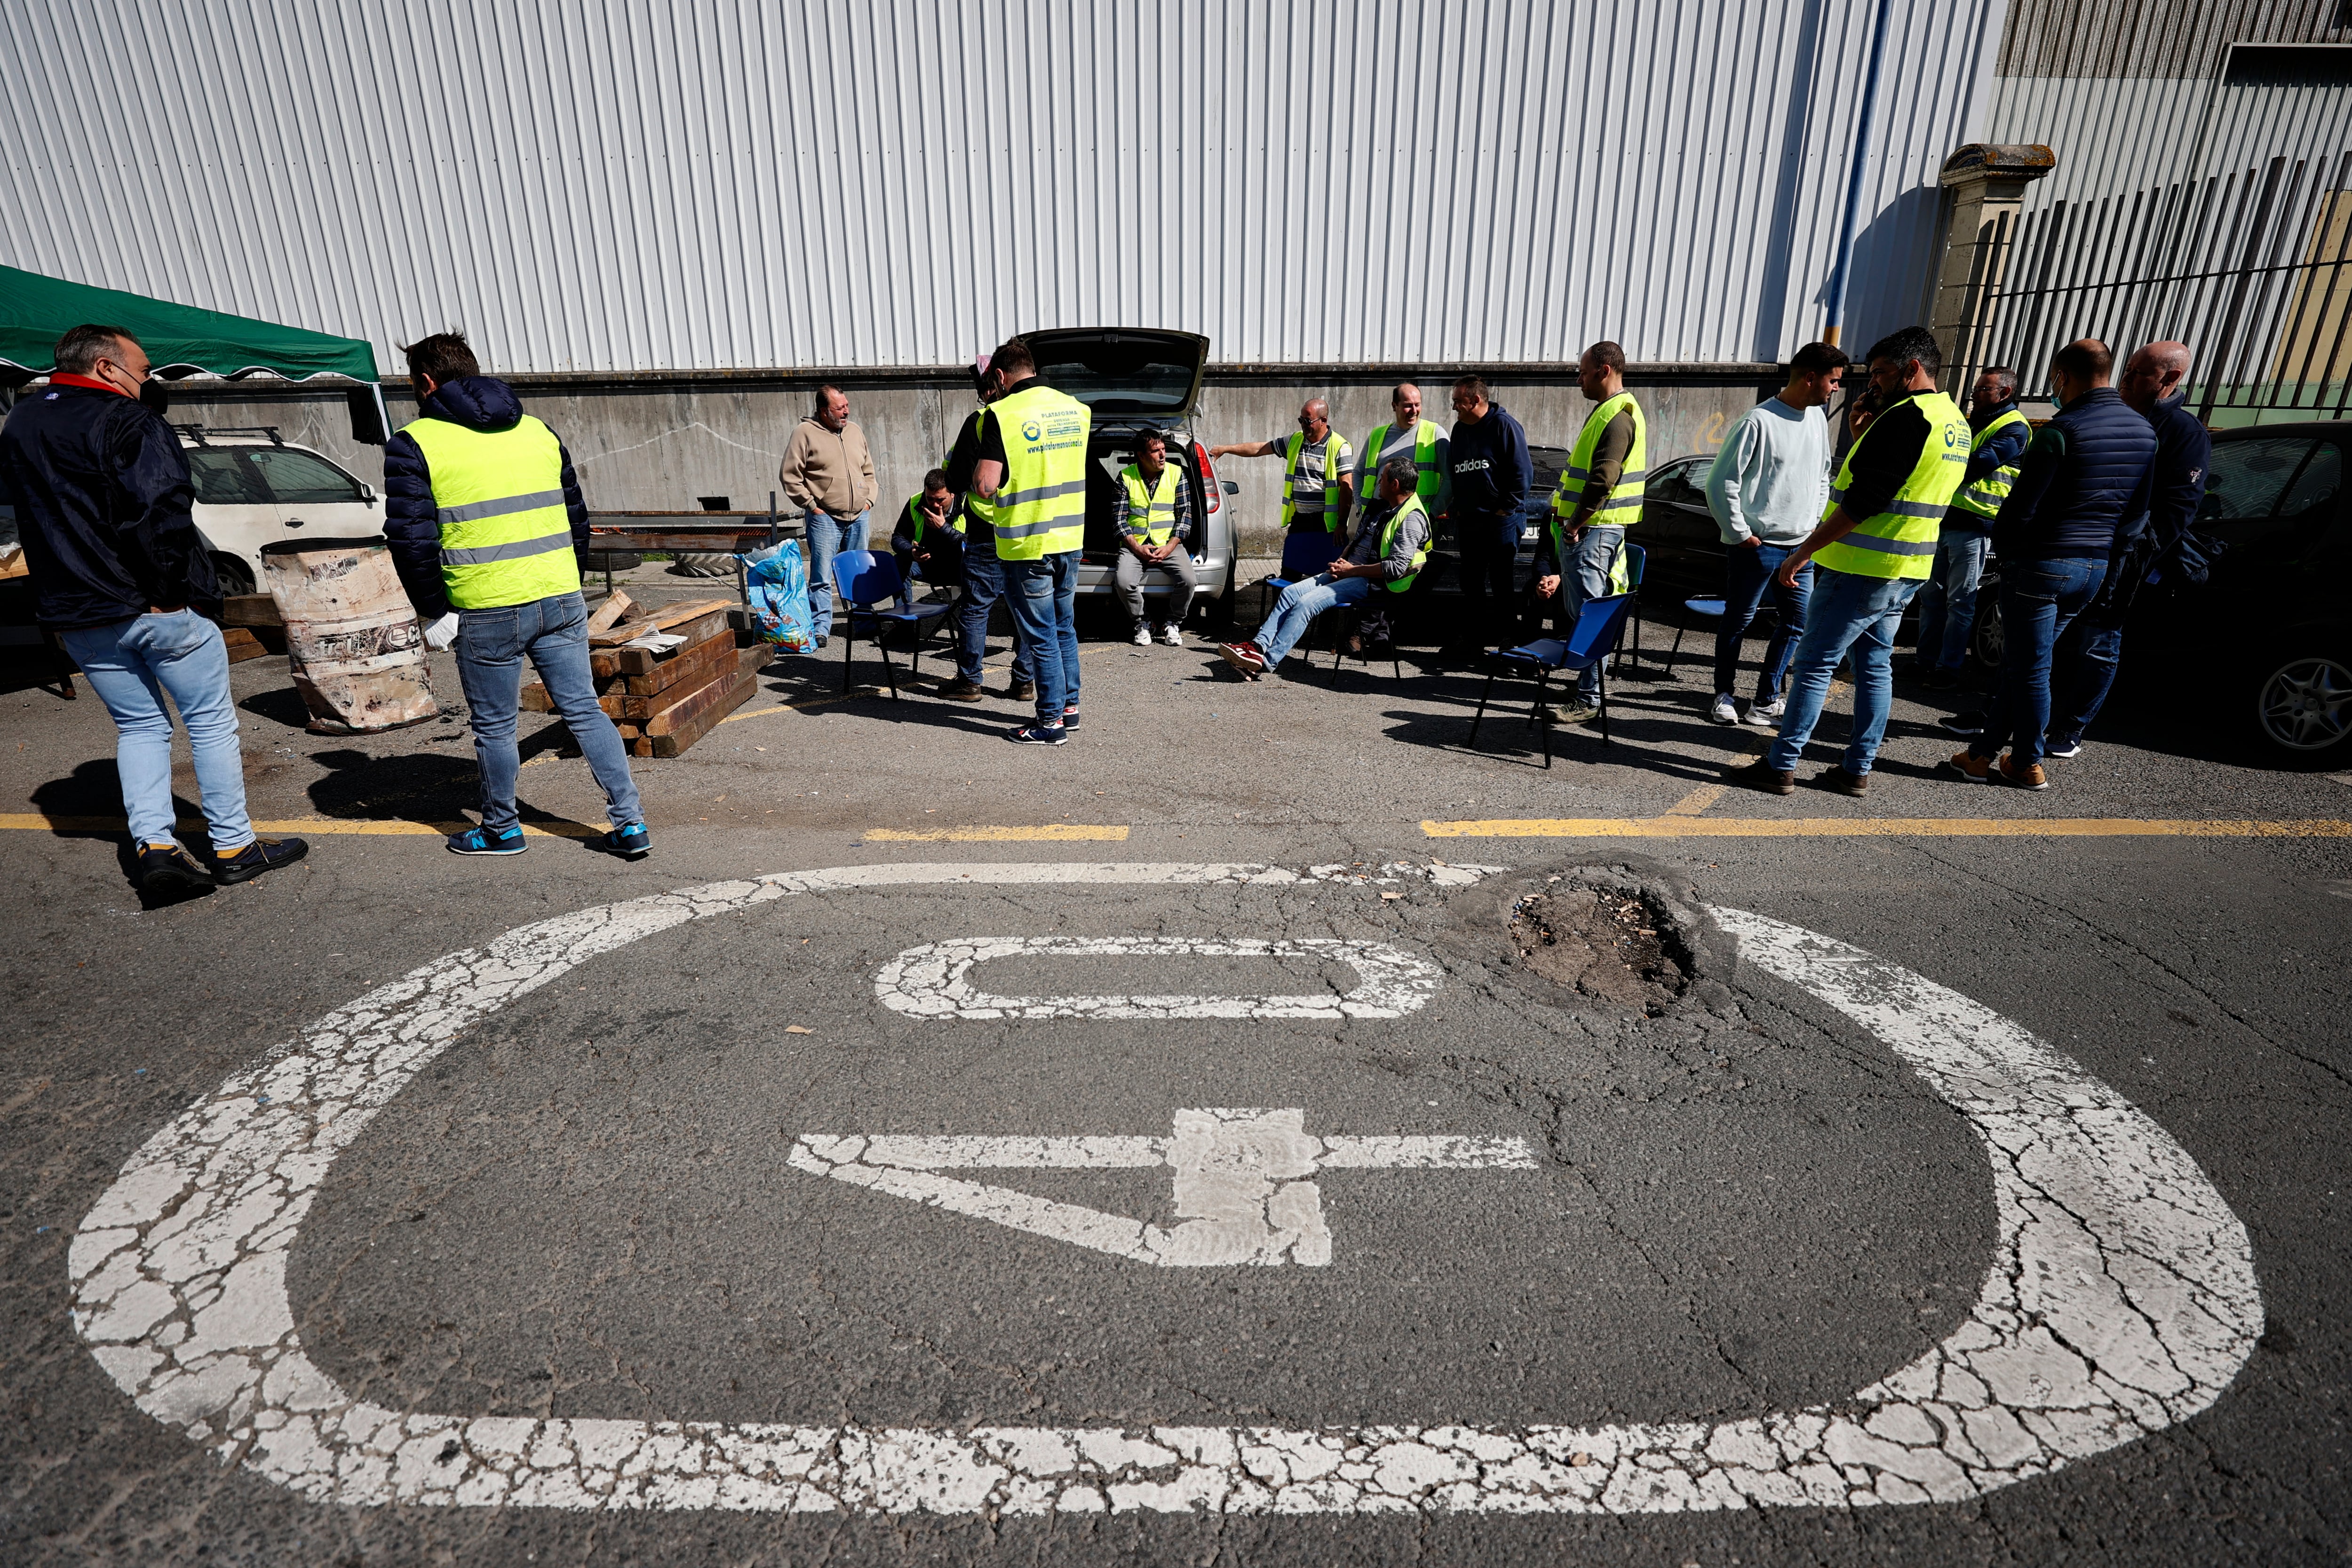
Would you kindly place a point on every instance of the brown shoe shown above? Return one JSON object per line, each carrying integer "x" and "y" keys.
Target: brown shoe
{"x": 1976, "y": 768}
{"x": 1022, "y": 690}
{"x": 960, "y": 691}
{"x": 1761, "y": 774}
{"x": 2029, "y": 776}
{"x": 1836, "y": 778}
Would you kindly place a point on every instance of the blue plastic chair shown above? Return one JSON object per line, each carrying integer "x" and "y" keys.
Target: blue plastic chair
{"x": 863, "y": 579}
{"x": 1599, "y": 626}
{"x": 1305, "y": 552}
{"x": 1712, "y": 608}
{"x": 1637, "y": 562}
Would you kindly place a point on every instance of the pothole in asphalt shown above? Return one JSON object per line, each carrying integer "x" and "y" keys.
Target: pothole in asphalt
{"x": 1606, "y": 943}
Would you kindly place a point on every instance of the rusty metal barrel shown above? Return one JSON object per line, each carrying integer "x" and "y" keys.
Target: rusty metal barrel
{"x": 357, "y": 653}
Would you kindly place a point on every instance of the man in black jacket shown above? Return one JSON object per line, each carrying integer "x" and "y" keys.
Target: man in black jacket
{"x": 2160, "y": 541}
{"x": 2086, "y": 472}
{"x": 102, "y": 492}
{"x": 1492, "y": 471}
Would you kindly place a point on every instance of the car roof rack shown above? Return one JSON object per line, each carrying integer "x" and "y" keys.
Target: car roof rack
{"x": 197, "y": 433}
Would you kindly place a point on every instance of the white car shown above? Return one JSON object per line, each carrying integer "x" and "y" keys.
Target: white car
{"x": 254, "y": 487}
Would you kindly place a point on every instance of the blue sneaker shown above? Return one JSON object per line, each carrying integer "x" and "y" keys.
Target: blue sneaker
{"x": 1037, "y": 735}
{"x": 482, "y": 841}
{"x": 630, "y": 841}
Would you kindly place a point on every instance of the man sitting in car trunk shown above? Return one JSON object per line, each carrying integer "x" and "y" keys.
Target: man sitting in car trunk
{"x": 1392, "y": 543}
{"x": 1153, "y": 527}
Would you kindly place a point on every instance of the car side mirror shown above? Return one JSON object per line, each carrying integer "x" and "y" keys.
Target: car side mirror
{"x": 367, "y": 492}
{"x": 1233, "y": 487}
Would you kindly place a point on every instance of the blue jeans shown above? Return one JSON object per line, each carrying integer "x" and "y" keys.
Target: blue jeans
{"x": 1299, "y": 605}
{"x": 1044, "y": 594}
{"x": 130, "y": 664}
{"x": 1847, "y": 611}
{"x": 491, "y": 645}
{"x": 1747, "y": 574}
{"x": 828, "y": 537}
{"x": 2038, "y": 598}
{"x": 1585, "y": 575}
{"x": 983, "y": 585}
{"x": 1948, "y": 603}
{"x": 2091, "y": 675}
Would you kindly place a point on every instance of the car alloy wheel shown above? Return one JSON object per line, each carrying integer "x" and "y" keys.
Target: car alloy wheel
{"x": 2306, "y": 704}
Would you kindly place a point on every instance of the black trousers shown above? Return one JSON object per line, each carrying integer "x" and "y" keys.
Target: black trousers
{"x": 1490, "y": 592}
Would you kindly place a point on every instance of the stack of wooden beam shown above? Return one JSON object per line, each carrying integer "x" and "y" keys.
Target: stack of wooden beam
{"x": 664, "y": 699}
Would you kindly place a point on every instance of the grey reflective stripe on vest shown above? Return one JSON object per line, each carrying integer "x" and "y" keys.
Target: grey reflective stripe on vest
{"x": 475, "y": 511}
{"x": 1895, "y": 508}
{"x": 1043, "y": 525}
{"x": 1886, "y": 546}
{"x": 1042, "y": 492}
{"x": 514, "y": 550}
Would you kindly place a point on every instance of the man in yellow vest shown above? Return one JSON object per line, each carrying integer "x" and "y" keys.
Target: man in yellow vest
{"x": 1030, "y": 488}
{"x": 1407, "y": 434}
{"x": 487, "y": 529}
{"x": 927, "y": 542}
{"x": 1390, "y": 546}
{"x": 1317, "y": 481}
{"x": 1948, "y": 603}
{"x": 1152, "y": 532}
{"x": 1873, "y": 546}
{"x": 1582, "y": 552}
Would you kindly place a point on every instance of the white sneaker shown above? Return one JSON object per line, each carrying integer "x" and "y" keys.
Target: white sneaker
{"x": 1142, "y": 638}
{"x": 1724, "y": 711}
{"x": 1172, "y": 634}
{"x": 1767, "y": 714}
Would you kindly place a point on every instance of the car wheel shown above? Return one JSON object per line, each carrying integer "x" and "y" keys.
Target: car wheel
{"x": 236, "y": 577}
{"x": 2305, "y": 705}
{"x": 1987, "y": 638}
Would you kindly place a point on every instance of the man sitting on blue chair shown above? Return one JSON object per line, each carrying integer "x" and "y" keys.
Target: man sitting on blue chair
{"x": 1390, "y": 544}
{"x": 928, "y": 544}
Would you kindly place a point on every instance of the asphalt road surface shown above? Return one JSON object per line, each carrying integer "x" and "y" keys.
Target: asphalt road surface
{"x": 1263, "y": 1130}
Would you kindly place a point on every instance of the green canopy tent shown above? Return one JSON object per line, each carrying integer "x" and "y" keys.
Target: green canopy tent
{"x": 35, "y": 311}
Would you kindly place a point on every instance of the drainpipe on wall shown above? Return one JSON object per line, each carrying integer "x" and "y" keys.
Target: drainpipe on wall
{"x": 1836, "y": 320}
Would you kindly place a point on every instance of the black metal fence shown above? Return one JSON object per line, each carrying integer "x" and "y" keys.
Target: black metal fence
{"x": 2252, "y": 270}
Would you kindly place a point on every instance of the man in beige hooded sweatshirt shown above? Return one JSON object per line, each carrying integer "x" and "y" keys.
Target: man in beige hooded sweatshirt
{"x": 829, "y": 472}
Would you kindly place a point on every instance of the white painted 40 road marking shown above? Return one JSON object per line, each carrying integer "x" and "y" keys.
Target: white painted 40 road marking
{"x": 2120, "y": 1297}
{"x": 1241, "y": 1193}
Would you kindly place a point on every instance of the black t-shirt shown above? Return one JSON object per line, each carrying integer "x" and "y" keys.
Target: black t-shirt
{"x": 1890, "y": 450}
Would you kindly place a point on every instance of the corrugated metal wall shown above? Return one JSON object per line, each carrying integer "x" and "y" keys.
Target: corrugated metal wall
{"x": 2131, "y": 93}
{"x": 598, "y": 186}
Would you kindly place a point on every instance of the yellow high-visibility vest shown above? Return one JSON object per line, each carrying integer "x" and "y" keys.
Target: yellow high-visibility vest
{"x": 1151, "y": 508}
{"x": 1431, "y": 478}
{"x": 1901, "y": 540}
{"x": 1621, "y": 507}
{"x": 1411, "y": 506}
{"x": 1335, "y": 462}
{"x": 1984, "y": 497}
{"x": 506, "y": 534}
{"x": 1040, "y": 505}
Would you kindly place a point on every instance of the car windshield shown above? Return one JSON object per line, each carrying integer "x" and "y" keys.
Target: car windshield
{"x": 224, "y": 477}
{"x": 303, "y": 479}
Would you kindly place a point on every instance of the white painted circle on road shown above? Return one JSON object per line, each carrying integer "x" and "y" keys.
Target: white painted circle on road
{"x": 2120, "y": 1298}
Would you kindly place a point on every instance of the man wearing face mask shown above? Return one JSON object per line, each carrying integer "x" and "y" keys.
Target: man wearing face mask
{"x": 102, "y": 492}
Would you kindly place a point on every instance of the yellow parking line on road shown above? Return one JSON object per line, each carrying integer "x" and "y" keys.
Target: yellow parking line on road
{"x": 34, "y": 821}
{"x": 1689, "y": 826}
{"x": 1697, "y": 801}
{"x": 1046, "y": 833}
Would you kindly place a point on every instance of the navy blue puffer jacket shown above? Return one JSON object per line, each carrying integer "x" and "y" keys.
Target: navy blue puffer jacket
{"x": 411, "y": 523}
{"x": 2086, "y": 472}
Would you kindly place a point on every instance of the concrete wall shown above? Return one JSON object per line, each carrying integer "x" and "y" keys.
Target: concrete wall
{"x": 659, "y": 445}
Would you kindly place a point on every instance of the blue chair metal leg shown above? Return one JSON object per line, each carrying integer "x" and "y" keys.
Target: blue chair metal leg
{"x": 1602, "y": 693}
{"x": 848, "y": 625}
{"x": 1535, "y": 715}
{"x": 1479, "y": 717}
